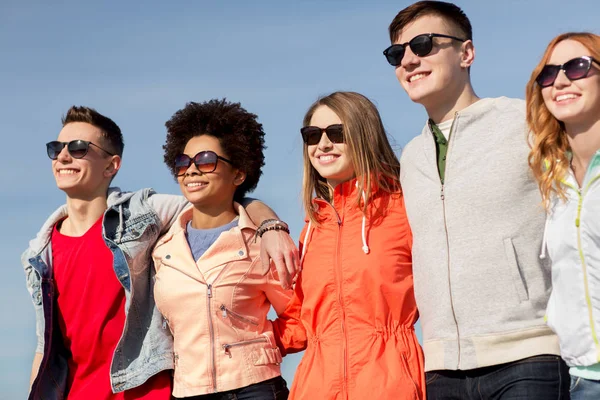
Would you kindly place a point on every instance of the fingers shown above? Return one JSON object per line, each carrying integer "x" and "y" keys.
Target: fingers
{"x": 284, "y": 276}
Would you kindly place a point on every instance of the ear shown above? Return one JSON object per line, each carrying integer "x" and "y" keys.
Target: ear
{"x": 467, "y": 54}
{"x": 113, "y": 167}
{"x": 240, "y": 177}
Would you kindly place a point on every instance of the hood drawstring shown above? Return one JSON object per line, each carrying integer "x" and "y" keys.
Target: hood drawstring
{"x": 544, "y": 239}
{"x": 365, "y": 247}
{"x": 120, "y": 228}
{"x": 305, "y": 242}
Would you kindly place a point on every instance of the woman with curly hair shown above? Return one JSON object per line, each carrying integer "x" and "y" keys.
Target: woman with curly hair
{"x": 210, "y": 285}
{"x": 353, "y": 306}
{"x": 563, "y": 113}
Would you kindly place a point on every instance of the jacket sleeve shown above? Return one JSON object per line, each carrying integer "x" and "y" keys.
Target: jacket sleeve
{"x": 290, "y": 334}
{"x": 33, "y": 283}
{"x": 167, "y": 207}
{"x": 288, "y": 329}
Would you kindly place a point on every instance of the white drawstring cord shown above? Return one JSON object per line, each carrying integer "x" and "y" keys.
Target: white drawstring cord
{"x": 543, "y": 253}
{"x": 365, "y": 247}
{"x": 305, "y": 242}
{"x": 120, "y": 230}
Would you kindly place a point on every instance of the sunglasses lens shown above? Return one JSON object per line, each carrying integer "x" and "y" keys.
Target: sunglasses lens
{"x": 577, "y": 68}
{"x": 394, "y": 54}
{"x": 182, "y": 163}
{"x": 78, "y": 148}
{"x": 547, "y": 75}
{"x": 311, "y": 135}
{"x": 53, "y": 149}
{"x": 335, "y": 133}
{"x": 421, "y": 45}
{"x": 206, "y": 161}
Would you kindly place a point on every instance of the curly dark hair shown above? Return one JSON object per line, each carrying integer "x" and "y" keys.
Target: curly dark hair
{"x": 240, "y": 134}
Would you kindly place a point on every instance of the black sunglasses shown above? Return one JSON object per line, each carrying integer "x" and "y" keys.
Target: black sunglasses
{"x": 421, "y": 45}
{"x": 76, "y": 148}
{"x": 312, "y": 134}
{"x": 577, "y": 68}
{"x": 205, "y": 162}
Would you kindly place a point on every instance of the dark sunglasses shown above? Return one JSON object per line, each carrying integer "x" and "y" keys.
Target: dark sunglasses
{"x": 421, "y": 45}
{"x": 312, "y": 134}
{"x": 577, "y": 68}
{"x": 76, "y": 148}
{"x": 205, "y": 162}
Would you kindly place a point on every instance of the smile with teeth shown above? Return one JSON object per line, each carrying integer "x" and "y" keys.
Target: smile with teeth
{"x": 416, "y": 77}
{"x": 567, "y": 96}
{"x": 327, "y": 157}
{"x": 67, "y": 171}
{"x": 196, "y": 184}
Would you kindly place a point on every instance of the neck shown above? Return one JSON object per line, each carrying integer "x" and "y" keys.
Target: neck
{"x": 82, "y": 214}
{"x": 584, "y": 140}
{"x": 212, "y": 216}
{"x": 448, "y": 107}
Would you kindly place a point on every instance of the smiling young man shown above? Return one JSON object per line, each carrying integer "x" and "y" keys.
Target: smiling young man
{"x": 100, "y": 335}
{"x": 476, "y": 219}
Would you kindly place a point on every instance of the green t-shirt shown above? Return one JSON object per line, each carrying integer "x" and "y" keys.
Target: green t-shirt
{"x": 441, "y": 146}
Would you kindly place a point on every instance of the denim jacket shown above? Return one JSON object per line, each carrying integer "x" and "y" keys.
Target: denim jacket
{"x": 132, "y": 223}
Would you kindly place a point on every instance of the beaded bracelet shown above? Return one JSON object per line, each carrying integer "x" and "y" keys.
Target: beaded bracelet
{"x": 271, "y": 225}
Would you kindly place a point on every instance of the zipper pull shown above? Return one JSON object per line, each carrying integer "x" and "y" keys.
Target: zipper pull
{"x": 209, "y": 291}
{"x": 165, "y": 323}
{"x": 442, "y": 193}
{"x": 224, "y": 310}
{"x": 227, "y": 351}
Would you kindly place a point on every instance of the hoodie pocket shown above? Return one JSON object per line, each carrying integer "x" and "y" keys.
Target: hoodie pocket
{"x": 514, "y": 270}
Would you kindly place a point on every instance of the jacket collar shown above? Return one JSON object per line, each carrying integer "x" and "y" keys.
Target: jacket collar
{"x": 173, "y": 249}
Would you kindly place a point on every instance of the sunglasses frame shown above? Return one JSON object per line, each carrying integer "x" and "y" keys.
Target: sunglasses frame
{"x": 67, "y": 144}
{"x": 333, "y": 128}
{"x": 410, "y": 43}
{"x": 192, "y": 160}
{"x": 557, "y": 68}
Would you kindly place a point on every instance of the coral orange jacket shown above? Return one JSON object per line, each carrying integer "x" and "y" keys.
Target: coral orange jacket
{"x": 353, "y": 306}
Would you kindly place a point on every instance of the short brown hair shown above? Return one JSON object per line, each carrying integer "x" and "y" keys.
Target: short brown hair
{"x": 110, "y": 130}
{"x": 448, "y": 11}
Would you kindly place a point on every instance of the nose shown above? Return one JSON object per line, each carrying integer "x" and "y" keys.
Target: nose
{"x": 561, "y": 80}
{"x": 410, "y": 59}
{"x": 192, "y": 170}
{"x": 325, "y": 143}
{"x": 64, "y": 156}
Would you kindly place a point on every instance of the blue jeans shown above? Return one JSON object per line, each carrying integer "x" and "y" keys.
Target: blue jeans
{"x": 272, "y": 389}
{"x": 584, "y": 389}
{"x": 544, "y": 377}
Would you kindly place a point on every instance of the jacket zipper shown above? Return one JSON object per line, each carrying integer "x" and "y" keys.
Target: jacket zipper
{"x": 226, "y": 311}
{"x": 212, "y": 337}
{"x": 209, "y": 287}
{"x": 581, "y": 193}
{"x": 228, "y": 346}
{"x": 341, "y": 303}
{"x": 443, "y": 199}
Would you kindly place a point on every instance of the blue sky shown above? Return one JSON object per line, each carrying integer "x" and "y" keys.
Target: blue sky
{"x": 139, "y": 62}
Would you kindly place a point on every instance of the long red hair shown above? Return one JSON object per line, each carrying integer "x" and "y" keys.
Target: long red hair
{"x": 548, "y": 156}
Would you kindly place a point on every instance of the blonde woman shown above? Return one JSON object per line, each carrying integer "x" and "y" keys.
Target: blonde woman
{"x": 353, "y": 305}
{"x": 563, "y": 113}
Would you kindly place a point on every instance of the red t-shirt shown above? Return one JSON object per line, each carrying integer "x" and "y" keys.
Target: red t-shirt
{"x": 91, "y": 316}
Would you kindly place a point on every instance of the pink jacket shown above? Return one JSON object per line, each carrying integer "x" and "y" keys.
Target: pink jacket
{"x": 217, "y": 309}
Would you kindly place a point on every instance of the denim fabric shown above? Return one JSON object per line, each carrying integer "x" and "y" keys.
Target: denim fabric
{"x": 132, "y": 223}
{"x": 584, "y": 389}
{"x": 272, "y": 389}
{"x": 544, "y": 377}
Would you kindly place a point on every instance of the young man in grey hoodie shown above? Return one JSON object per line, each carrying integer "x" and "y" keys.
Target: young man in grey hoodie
{"x": 477, "y": 222}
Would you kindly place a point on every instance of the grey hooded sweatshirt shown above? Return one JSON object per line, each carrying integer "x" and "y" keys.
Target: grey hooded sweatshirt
{"x": 480, "y": 286}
